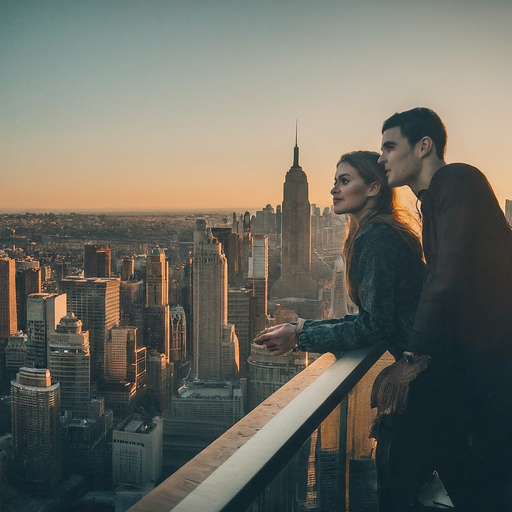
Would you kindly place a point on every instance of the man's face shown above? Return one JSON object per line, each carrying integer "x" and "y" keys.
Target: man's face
{"x": 399, "y": 158}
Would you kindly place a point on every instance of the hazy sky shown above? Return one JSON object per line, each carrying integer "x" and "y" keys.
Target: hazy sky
{"x": 172, "y": 104}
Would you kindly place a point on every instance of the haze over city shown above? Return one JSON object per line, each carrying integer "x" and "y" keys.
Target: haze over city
{"x": 112, "y": 105}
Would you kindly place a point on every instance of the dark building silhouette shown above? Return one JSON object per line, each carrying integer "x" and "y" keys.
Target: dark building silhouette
{"x": 96, "y": 260}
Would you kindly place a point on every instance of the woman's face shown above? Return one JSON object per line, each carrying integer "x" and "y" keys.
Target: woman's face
{"x": 350, "y": 193}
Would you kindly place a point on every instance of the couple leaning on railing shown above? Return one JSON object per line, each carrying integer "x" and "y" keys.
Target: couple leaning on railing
{"x": 445, "y": 405}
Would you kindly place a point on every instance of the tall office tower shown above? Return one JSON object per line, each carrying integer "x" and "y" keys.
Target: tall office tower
{"x": 258, "y": 277}
{"x": 70, "y": 364}
{"x": 127, "y": 357}
{"x": 95, "y": 301}
{"x": 247, "y": 222}
{"x": 88, "y": 445}
{"x": 137, "y": 452}
{"x": 295, "y": 280}
{"x": 158, "y": 378}
{"x": 157, "y": 329}
{"x": 178, "y": 345}
{"x": 35, "y": 407}
{"x": 44, "y": 311}
{"x": 231, "y": 245}
{"x": 214, "y": 340}
{"x": 128, "y": 268}
{"x": 15, "y": 354}
{"x": 157, "y": 279}
{"x": 239, "y": 313}
{"x": 96, "y": 260}
{"x": 131, "y": 302}
{"x": 28, "y": 281}
{"x": 508, "y": 211}
{"x": 8, "y": 322}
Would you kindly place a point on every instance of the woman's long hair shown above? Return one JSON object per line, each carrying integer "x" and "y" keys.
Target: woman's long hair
{"x": 385, "y": 209}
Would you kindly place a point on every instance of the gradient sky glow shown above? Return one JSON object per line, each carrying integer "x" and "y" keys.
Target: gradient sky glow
{"x": 125, "y": 105}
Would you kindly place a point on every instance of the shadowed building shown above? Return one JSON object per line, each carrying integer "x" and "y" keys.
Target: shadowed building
{"x": 96, "y": 260}
{"x": 295, "y": 280}
{"x": 35, "y": 404}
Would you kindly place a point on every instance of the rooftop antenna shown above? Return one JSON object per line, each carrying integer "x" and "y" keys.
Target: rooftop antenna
{"x": 296, "y": 149}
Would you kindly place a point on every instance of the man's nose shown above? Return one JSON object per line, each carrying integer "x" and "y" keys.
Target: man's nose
{"x": 381, "y": 159}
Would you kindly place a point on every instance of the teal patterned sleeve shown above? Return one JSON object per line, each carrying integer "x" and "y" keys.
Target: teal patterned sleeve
{"x": 374, "y": 267}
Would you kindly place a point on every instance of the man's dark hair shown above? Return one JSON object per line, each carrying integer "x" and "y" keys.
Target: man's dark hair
{"x": 418, "y": 123}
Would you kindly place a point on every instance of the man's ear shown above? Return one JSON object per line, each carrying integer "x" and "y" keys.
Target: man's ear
{"x": 374, "y": 189}
{"x": 425, "y": 146}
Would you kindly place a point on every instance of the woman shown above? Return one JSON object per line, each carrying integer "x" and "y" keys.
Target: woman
{"x": 384, "y": 269}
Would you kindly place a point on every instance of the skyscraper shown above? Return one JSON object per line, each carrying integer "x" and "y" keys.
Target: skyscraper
{"x": 44, "y": 311}
{"x": 95, "y": 301}
{"x": 128, "y": 268}
{"x": 126, "y": 356}
{"x": 8, "y": 321}
{"x": 28, "y": 281}
{"x": 258, "y": 277}
{"x": 35, "y": 406}
{"x": 157, "y": 279}
{"x": 295, "y": 280}
{"x": 214, "y": 340}
{"x": 96, "y": 260}
{"x": 178, "y": 345}
{"x": 239, "y": 313}
{"x": 70, "y": 365}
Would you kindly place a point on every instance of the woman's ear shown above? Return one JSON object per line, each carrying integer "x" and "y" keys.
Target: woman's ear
{"x": 373, "y": 189}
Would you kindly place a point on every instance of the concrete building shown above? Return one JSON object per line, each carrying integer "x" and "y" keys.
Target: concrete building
{"x": 127, "y": 357}
{"x": 35, "y": 405}
{"x": 128, "y": 268}
{"x": 508, "y": 211}
{"x": 15, "y": 354}
{"x": 214, "y": 339}
{"x": 97, "y": 260}
{"x": 178, "y": 343}
{"x": 44, "y": 311}
{"x": 157, "y": 279}
{"x": 295, "y": 280}
{"x": 240, "y": 306}
{"x": 70, "y": 365}
{"x": 258, "y": 279}
{"x": 8, "y": 320}
{"x": 137, "y": 451}
{"x": 95, "y": 301}
{"x": 28, "y": 281}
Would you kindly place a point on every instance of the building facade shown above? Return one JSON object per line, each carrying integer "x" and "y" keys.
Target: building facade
{"x": 35, "y": 406}
{"x": 70, "y": 365}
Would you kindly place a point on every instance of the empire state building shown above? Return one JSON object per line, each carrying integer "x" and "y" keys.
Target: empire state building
{"x": 295, "y": 280}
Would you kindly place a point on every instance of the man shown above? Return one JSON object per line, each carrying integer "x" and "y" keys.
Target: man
{"x": 464, "y": 318}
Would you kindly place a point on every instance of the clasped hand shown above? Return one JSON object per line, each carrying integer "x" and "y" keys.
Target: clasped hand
{"x": 278, "y": 339}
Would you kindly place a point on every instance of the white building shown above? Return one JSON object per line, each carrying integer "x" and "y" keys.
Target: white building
{"x": 137, "y": 452}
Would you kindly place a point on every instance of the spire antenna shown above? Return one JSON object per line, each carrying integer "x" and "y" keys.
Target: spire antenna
{"x": 296, "y": 149}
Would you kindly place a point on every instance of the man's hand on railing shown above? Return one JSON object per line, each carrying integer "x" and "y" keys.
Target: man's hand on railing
{"x": 278, "y": 339}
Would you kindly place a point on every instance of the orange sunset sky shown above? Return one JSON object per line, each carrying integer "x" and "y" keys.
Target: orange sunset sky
{"x": 123, "y": 105}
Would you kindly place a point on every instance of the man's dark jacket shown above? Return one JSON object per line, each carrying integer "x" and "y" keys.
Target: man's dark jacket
{"x": 464, "y": 316}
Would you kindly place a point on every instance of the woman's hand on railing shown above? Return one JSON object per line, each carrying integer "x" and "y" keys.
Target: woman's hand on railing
{"x": 278, "y": 339}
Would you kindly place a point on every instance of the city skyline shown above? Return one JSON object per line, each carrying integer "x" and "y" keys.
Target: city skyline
{"x": 171, "y": 105}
